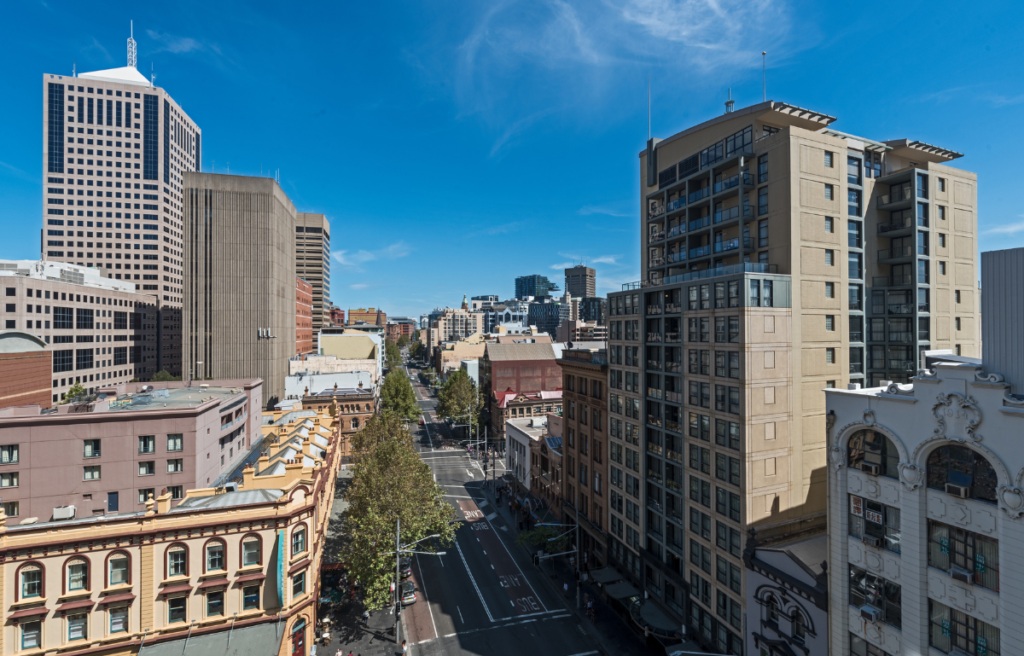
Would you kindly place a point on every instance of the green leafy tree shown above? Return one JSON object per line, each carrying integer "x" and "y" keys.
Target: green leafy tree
{"x": 392, "y": 356}
{"x": 553, "y": 539}
{"x": 396, "y": 395}
{"x": 163, "y": 375}
{"x": 415, "y": 350}
{"x": 76, "y": 391}
{"x": 458, "y": 396}
{"x": 390, "y": 483}
{"x": 403, "y": 341}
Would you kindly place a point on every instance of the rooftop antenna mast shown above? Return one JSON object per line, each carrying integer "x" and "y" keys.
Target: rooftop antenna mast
{"x": 74, "y": 65}
{"x": 764, "y": 77}
{"x": 648, "y": 106}
{"x": 132, "y": 61}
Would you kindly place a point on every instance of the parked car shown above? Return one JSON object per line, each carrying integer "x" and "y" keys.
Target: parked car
{"x": 421, "y": 421}
{"x": 405, "y": 567}
{"x": 408, "y": 593}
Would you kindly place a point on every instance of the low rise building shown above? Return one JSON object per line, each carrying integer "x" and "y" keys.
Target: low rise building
{"x": 353, "y": 350}
{"x": 108, "y": 453}
{"x": 546, "y": 465}
{"x": 100, "y": 330}
{"x": 520, "y": 380}
{"x": 25, "y": 370}
{"x": 521, "y": 436}
{"x": 580, "y": 331}
{"x": 448, "y": 356}
{"x": 371, "y": 316}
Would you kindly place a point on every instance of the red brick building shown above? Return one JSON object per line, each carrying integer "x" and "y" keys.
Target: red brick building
{"x": 25, "y": 366}
{"x": 337, "y": 316}
{"x": 520, "y": 380}
{"x": 371, "y": 315}
{"x": 303, "y": 317}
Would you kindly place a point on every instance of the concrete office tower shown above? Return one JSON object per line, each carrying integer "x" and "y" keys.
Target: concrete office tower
{"x": 313, "y": 264}
{"x": 757, "y": 196}
{"x": 240, "y": 280}
{"x": 115, "y": 149}
{"x": 580, "y": 281}
{"x": 100, "y": 331}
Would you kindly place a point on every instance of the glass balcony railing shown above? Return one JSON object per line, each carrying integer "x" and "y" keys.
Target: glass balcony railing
{"x": 675, "y": 205}
{"x": 726, "y": 215}
{"x": 653, "y": 309}
{"x": 699, "y": 222}
{"x": 893, "y": 281}
{"x": 674, "y": 397}
{"x": 700, "y": 251}
{"x": 676, "y": 231}
{"x": 856, "y": 367}
{"x": 922, "y": 307}
{"x": 654, "y": 393}
{"x": 901, "y": 337}
{"x": 897, "y": 196}
{"x": 856, "y": 336}
{"x": 901, "y": 308}
{"x": 703, "y": 192}
{"x": 677, "y": 257}
{"x": 902, "y": 365}
{"x": 730, "y": 245}
{"x": 893, "y": 226}
{"x": 896, "y": 253}
{"x": 923, "y": 336}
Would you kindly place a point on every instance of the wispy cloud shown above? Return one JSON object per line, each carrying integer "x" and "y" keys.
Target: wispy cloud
{"x": 587, "y": 210}
{"x": 172, "y": 43}
{"x": 1006, "y": 101}
{"x": 1008, "y": 229}
{"x": 606, "y": 259}
{"x": 513, "y": 131}
{"x": 16, "y": 172}
{"x": 499, "y": 229}
{"x": 359, "y": 285}
{"x": 562, "y": 265}
{"x": 576, "y": 260}
{"x": 357, "y": 259}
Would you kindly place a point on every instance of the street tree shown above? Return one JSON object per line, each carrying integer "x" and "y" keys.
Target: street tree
{"x": 390, "y": 483}
{"x": 459, "y": 396}
{"x": 392, "y": 356}
{"x": 403, "y": 341}
{"x": 163, "y": 375}
{"x": 553, "y": 539}
{"x": 415, "y": 349}
{"x": 74, "y": 392}
{"x": 396, "y": 395}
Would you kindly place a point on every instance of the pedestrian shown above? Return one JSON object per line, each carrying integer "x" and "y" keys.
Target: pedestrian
{"x": 366, "y": 618}
{"x": 405, "y": 648}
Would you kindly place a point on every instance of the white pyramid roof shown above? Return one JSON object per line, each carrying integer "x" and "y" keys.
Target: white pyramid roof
{"x": 125, "y": 74}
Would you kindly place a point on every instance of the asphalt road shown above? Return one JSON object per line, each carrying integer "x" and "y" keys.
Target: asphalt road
{"x": 483, "y": 596}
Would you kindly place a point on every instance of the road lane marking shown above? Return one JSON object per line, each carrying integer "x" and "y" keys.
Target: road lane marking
{"x": 460, "y": 616}
{"x": 518, "y": 568}
{"x": 580, "y": 627}
{"x": 490, "y": 518}
{"x": 473, "y": 580}
{"x": 586, "y": 653}
{"x": 424, "y": 584}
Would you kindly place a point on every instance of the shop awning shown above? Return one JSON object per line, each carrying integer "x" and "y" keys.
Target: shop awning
{"x": 621, "y": 590}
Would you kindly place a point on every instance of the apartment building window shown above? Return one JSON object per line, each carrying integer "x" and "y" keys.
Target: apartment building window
{"x": 866, "y": 589}
{"x": 853, "y": 171}
{"x": 956, "y": 296}
{"x": 175, "y": 465}
{"x": 942, "y": 240}
{"x": 830, "y": 257}
{"x": 700, "y": 491}
{"x": 727, "y": 503}
{"x": 147, "y": 443}
{"x": 728, "y": 539}
{"x": 954, "y": 630}
{"x": 730, "y": 610}
{"x": 700, "y": 524}
{"x": 875, "y": 523}
{"x": 177, "y": 492}
{"x": 830, "y": 290}
{"x": 734, "y": 330}
{"x": 829, "y": 225}
{"x": 700, "y": 426}
{"x": 965, "y": 470}
{"x": 91, "y": 473}
{"x": 9, "y": 479}
{"x": 9, "y": 454}
{"x": 762, "y": 234}
{"x": 762, "y": 169}
{"x": 830, "y": 356}
{"x": 762, "y": 200}
{"x": 147, "y": 468}
{"x": 829, "y": 192}
{"x": 727, "y": 468}
{"x": 700, "y": 459}
{"x": 856, "y": 297}
{"x": 853, "y": 234}
{"x": 922, "y": 215}
{"x": 145, "y": 493}
{"x": 729, "y": 574}
{"x": 942, "y": 268}
{"x": 972, "y": 554}
{"x": 700, "y": 589}
{"x": 942, "y": 212}
{"x": 830, "y": 322}
{"x": 853, "y": 202}
{"x": 868, "y": 447}
{"x": 942, "y": 184}
{"x": 922, "y": 185}
{"x": 174, "y": 442}
{"x": 828, "y": 159}
{"x": 727, "y": 434}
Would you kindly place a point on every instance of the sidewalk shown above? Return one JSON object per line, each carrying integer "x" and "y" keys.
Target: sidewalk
{"x": 611, "y": 631}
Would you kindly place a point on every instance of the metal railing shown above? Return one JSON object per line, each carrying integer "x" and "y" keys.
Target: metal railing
{"x": 700, "y": 251}
{"x": 901, "y": 308}
{"x": 896, "y": 253}
{"x": 676, "y": 257}
{"x": 703, "y": 192}
{"x": 899, "y": 196}
{"x": 677, "y": 230}
{"x": 902, "y": 224}
{"x": 699, "y": 222}
{"x": 893, "y": 281}
{"x": 856, "y": 367}
{"x": 675, "y": 205}
{"x": 901, "y": 337}
{"x": 727, "y": 214}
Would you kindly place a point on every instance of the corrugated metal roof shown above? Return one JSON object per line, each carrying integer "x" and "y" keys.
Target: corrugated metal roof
{"x": 509, "y": 352}
{"x": 259, "y": 640}
{"x": 240, "y": 498}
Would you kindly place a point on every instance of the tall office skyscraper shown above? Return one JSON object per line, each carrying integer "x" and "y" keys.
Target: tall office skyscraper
{"x": 761, "y": 287}
{"x": 313, "y": 264}
{"x": 114, "y": 151}
{"x": 534, "y": 285}
{"x": 580, "y": 281}
{"x": 239, "y": 311}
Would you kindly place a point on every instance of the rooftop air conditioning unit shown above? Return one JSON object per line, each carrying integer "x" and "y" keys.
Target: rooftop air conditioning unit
{"x": 871, "y": 540}
{"x": 961, "y": 491}
{"x": 870, "y": 469}
{"x": 872, "y": 614}
{"x": 960, "y": 574}
{"x": 64, "y": 512}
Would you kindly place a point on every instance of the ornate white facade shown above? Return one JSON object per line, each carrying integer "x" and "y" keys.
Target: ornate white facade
{"x": 925, "y": 526}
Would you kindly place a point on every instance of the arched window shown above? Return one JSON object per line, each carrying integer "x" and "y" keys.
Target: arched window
{"x": 177, "y": 560}
{"x": 30, "y": 580}
{"x": 868, "y": 449}
{"x": 252, "y": 552}
{"x": 77, "y": 575}
{"x": 118, "y": 569}
{"x": 799, "y": 628}
{"x": 961, "y": 471}
{"x": 773, "y": 610}
{"x": 214, "y": 556}
{"x": 355, "y": 422}
{"x": 298, "y": 540}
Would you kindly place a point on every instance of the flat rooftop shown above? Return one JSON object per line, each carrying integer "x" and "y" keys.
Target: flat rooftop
{"x": 184, "y": 397}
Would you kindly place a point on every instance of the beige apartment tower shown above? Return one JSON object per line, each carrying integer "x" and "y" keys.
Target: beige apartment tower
{"x": 240, "y": 281}
{"x": 762, "y": 287}
{"x": 313, "y": 264}
{"x": 115, "y": 150}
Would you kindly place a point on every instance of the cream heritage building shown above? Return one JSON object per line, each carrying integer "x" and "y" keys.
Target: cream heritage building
{"x": 115, "y": 148}
{"x": 926, "y": 516}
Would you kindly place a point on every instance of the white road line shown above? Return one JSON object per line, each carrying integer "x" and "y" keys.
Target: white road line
{"x": 425, "y": 600}
{"x": 469, "y": 473}
{"x": 556, "y": 617}
{"x": 491, "y": 516}
{"x": 460, "y": 614}
{"x": 586, "y": 653}
{"x": 473, "y": 581}
{"x": 542, "y": 604}
{"x": 580, "y": 627}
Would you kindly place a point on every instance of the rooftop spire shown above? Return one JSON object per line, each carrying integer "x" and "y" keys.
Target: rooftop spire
{"x": 131, "y": 46}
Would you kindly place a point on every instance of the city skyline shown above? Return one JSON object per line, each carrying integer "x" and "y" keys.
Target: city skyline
{"x": 460, "y": 117}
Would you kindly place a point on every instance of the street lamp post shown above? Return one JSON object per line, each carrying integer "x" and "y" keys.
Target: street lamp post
{"x": 576, "y": 538}
{"x": 401, "y": 549}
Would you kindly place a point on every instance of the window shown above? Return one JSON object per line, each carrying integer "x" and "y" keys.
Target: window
{"x": 828, "y": 159}
{"x": 868, "y": 447}
{"x": 956, "y": 296}
{"x": 9, "y": 479}
{"x": 762, "y": 200}
{"x": 118, "y": 569}
{"x": 177, "y": 492}
{"x": 298, "y": 584}
{"x": 942, "y": 240}
{"x": 975, "y": 555}
{"x": 298, "y": 540}
{"x": 31, "y": 635}
{"x": 145, "y": 493}
{"x": 868, "y": 589}
{"x": 829, "y": 192}
{"x": 77, "y": 626}
{"x": 875, "y": 523}
{"x": 147, "y": 444}
{"x": 250, "y": 551}
{"x": 830, "y": 257}
{"x": 215, "y": 556}
{"x": 942, "y": 268}
{"x": 830, "y": 290}
{"x": 700, "y": 524}
{"x": 942, "y": 212}
{"x": 175, "y": 465}
{"x": 953, "y": 630}
{"x": 177, "y": 562}
{"x": 250, "y": 597}
{"x": 700, "y": 556}
{"x": 853, "y": 234}
{"x": 92, "y": 473}
{"x": 91, "y": 449}
{"x": 11, "y": 508}
{"x": 942, "y": 184}
{"x": 174, "y": 442}
{"x": 730, "y": 610}
{"x": 118, "y": 620}
{"x": 31, "y": 581}
{"x": 176, "y": 609}
{"x": 830, "y": 356}
{"x": 78, "y": 576}
{"x": 830, "y": 225}
{"x": 9, "y": 454}
{"x": 853, "y": 202}
{"x": 728, "y": 539}
{"x": 147, "y": 468}
{"x": 959, "y": 470}
{"x": 215, "y": 603}
{"x": 830, "y": 322}
{"x": 762, "y": 169}
{"x": 727, "y": 503}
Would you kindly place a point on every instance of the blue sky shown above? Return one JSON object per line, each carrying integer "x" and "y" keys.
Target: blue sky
{"x": 457, "y": 145}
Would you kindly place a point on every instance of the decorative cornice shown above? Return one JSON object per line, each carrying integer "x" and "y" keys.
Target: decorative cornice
{"x": 957, "y": 407}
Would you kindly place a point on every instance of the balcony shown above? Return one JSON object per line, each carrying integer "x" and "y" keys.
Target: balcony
{"x": 856, "y": 336}
{"x": 656, "y": 211}
{"x": 674, "y": 397}
{"x": 673, "y": 308}
{"x": 676, "y": 231}
{"x": 654, "y": 393}
{"x": 656, "y": 235}
{"x": 653, "y": 309}
{"x": 733, "y": 181}
{"x": 905, "y": 280}
{"x": 674, "y": 455}
{"x": 700, "y": 251}
{"x": 726, "y": 215}
{"x": 731, "y": 245}
{"x": 656, "y": 262}
{"x": 653, "y": 337}
{"x": 896, "y": 253}
{"x": 674, "y": 426}
{"x": 901, "y": 337}
{"x": 672, "y": 337}
{"x": 674, "y": 367}
{"x": 896, "y": 228}
{"x": 923, "y": 336}
{"x": 700, "y": 222}
{"x": 856, "y": 367}
{"x": 902, "y": 365}
{"x": 904, "y": 195}
{"x": 656, "y": 477}
{"x": 676, "y": 257}
{"x": 900, "y": 308}
{"x": 653, "y": 364}
{"x": 701, "y": 193}
{"x": 675, "y": 205}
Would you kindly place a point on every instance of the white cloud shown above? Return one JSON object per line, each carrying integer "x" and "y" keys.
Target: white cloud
{"x": 356, "y": 260}
{"x": 359, "y": 285}
{"x": 587, "y": 210}
{"x": 173, "y": 44}
{"x": 1008, "y": 229}
{"x": 606, "y": 259}
{"x": 563, "y": 265}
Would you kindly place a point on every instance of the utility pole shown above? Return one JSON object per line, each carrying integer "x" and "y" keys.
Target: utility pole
{"x": 398, "y": 577}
